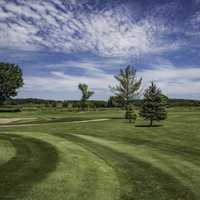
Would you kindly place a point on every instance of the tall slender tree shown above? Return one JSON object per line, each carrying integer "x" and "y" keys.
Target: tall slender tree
{"x": 153, "y": 108}
{"x": 128, "y": 87}
{"x": 10, "y": 80}
{"x": 86, "y": 94}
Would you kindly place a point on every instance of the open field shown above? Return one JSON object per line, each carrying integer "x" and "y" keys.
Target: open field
{"x": 45, "y": 156}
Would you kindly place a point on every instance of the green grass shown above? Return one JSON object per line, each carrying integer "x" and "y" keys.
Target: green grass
{"x": 106, "y": 160}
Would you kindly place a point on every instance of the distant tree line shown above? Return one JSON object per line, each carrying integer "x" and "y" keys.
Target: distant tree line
{"x": 126, "y": 95}
{"x": 111, "y": 103}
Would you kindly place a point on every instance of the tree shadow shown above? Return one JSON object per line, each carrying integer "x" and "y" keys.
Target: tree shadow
{"x": 147, "y": 125}
{"x": 117, "y": 117}
{"x": 33, "y": 161}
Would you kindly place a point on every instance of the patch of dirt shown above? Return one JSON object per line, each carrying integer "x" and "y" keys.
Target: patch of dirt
{"x": 9, "y": 120}
{"x": 36, "y": 124}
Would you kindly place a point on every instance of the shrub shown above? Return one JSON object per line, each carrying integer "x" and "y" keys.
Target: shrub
{"x": 130, "y": 114}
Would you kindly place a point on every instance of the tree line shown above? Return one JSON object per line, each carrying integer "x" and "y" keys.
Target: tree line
{"x": 126, "y": 92}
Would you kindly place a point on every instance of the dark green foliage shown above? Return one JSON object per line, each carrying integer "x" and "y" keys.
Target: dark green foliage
{"x": 115, "y": 101}
{"x": 10, "y": 80}
{"x": 164, "y": 99}
{"x": 99, "y": 103}
{"x": 70, "y": 107}
{"x": 152, "y": 106}
{"x": 76, "y": 106}
{"x": 183, "y": 102}
{"x": 53, "y": 104}
{"x": 10, "y": 110}
{"x": 47, "y": 105}
{"x": 130, "y": 114}
{"x": 65, "y": 104}
{"x": 128, "y": 87}
{"x": 86, "y": 94}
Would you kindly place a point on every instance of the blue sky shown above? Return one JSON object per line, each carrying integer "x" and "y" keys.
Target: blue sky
{"x": 60, "y": 43}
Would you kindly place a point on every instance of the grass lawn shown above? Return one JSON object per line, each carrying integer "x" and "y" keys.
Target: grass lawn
{"x": 46, "y": 157}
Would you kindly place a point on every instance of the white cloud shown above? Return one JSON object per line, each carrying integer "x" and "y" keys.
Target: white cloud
{"x": 91, "y": 67}
{"x": 108, "y": 32}
{"x": 61, "y": 83}
{"x": 174, "y": 82}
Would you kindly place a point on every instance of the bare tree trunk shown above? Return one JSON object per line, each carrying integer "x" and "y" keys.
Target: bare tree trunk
{"x": 151, "y": 122}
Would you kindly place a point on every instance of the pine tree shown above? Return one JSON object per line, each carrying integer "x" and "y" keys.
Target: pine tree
{"x": 152, "y": 105}
{"x": 128, "y": 87}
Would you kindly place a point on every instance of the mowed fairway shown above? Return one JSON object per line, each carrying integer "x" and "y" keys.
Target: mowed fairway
{"x": 52, "y": 155}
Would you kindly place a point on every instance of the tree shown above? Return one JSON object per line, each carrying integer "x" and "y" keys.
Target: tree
{"x": 114, "y": 101}
{"x": 10, "y": 80}
{"x": 152, "y": 105}
{"x": 53, "y": 104}
{"x": 164, "y": 100}
{"x": 131, "y": 114}
{"x": 86, "y": 94}
{"x": 129, "y": 85}
{"x": 65, "y": 104}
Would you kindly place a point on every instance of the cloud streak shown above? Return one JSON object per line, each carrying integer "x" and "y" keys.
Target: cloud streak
{"x": 174, "y": 82}
{"x": 61, "y": 43}
{"x": 80, "y": 26}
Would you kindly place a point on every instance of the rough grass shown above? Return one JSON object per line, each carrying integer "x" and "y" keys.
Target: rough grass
{"x": 106, "y": 160}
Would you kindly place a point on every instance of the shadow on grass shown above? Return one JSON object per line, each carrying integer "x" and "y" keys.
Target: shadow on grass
{"x": 33, "y": 161}
{"x": 147, "y": 125}
{"x": 117, "y": 118}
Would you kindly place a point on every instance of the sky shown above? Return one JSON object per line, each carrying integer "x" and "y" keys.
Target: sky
{"x": 61, "y": 43}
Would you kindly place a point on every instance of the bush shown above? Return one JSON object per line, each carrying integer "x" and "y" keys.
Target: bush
{"x": 65, "y": 104}
{"x": 10, "y": 110}
{"x": 53, "y": 104}
{"x": 130, "y": 114}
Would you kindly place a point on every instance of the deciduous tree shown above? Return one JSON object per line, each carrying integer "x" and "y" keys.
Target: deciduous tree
{"x": 10, "y": 80}
{"x": 86, "y": 94}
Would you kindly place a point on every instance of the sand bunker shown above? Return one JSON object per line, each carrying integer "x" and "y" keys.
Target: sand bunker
{"x": 9, "y": 120}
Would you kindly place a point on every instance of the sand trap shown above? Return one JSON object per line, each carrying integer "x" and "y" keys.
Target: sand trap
{"x": 9, "y": 120}
{"x": 36, "y": 124}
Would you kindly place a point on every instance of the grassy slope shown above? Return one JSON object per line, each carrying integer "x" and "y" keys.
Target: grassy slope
{"x": 102, "y": 160}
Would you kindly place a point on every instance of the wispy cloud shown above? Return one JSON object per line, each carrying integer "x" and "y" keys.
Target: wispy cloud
{"x": 174, "y": 81}
{"x": 62, "y": 84}
{"x": 36, "y": 33}
{"x": 78, "y": 26}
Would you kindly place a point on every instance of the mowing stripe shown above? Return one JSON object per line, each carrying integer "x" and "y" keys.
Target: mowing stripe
{"x": 47, "y": 123}
{"x": 7, "y": 151}
{"x": 172, "y": 164}
{"x": 79, "y": 174}
{"x": 34, "y": 159}
{"x": 139, "y": 179}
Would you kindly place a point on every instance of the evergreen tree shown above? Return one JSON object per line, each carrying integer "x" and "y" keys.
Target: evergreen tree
{"x": 115, "y": 101}
{"x": 128, "y": 88}
{"x": 152, "y": 105}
